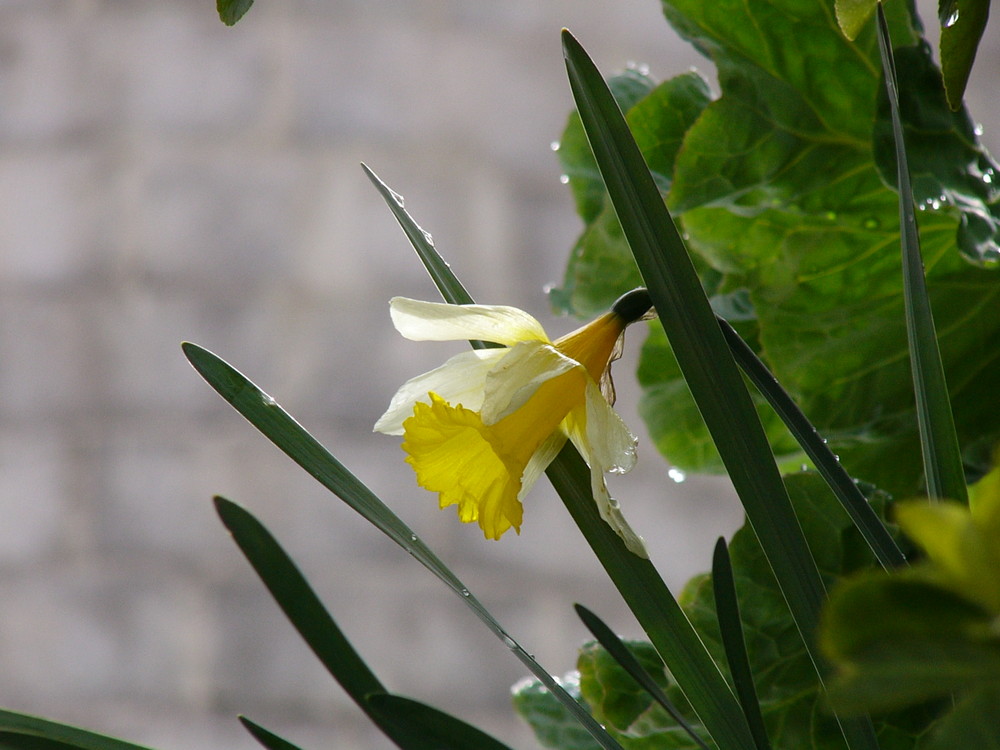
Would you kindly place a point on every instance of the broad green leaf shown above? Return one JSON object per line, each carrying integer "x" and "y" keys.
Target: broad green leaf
{"x": 962, "y": 25}
{"x": 935, "y": 630}
{"x": 548, "y": 718}
{"x": 601, "y": 267}
{"x": 26, "y": 732}
{"x": 899, "y": 640}
{"x": 231, "y": 11}
{"x": 827, "y": 464}
{"x": 777, "y": 188}
{"x": 675, "y": 424}
{"x": 266, "y": 737}
{"x": 972, "y": 724}
{"x": 422, "y": 727}
{"x": 702, "y": 354}
{"x": 617, "y": 650}
{"x": 794, "y": 709}
{"x": 852, "y": 15}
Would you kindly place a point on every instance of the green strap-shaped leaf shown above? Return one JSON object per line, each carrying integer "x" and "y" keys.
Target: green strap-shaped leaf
{"x": 25, "y": 732}
{"x": 727, "y": 609}
{"x": 281, "y": 429}
{"x": 410, "y": 725}
{"x": 652, "y": 603}
{"x": 299, "y": 602}
{"x": 938, "y": 440}
{"x": 620, "y": 653}
{"x": 702, "y": 353}
{"x": 426, "y": 728}
{"x": 882, "y": 544}
{"x": 265, "y": 737}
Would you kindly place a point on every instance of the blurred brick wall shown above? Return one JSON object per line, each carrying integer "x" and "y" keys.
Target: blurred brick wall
{"x": 165, "y": 178}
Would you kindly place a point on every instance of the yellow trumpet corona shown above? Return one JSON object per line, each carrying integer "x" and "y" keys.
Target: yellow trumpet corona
{"x": 480, "y": 429}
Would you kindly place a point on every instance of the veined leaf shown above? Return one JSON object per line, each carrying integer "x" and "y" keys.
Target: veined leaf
{"x": 702, "y": 353}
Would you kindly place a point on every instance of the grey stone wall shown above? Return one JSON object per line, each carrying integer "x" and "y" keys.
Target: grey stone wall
{"x": 164, "y": 178}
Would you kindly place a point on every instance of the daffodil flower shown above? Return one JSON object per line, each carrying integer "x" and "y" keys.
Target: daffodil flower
{"x": 480, "y": 429}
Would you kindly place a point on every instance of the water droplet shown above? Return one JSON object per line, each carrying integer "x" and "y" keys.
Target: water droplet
{"x": 396, "y": 197}
{"x": 978, "y": 128}
{"x": 564, "y": 179}
{"x": 428, "y": 238}
{"x": 952, "y": 19}
{"x": 615, "y": 505}
{"x": 508, "y": 641}
{"x": 555, "y": 145}
{"x": 988, "y": 176}
{"x": 464, "y": 592}
{"x": 676, "y": 474}
{"x": 413, "y": 537}
{"x": 803, "y": 467}
{"x": 268, "y": 400}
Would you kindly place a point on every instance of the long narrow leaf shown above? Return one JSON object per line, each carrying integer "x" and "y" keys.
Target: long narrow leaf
{"x": 19, "y": 730}
{"x": 414, "y": 724}
{"x": 444, "y": 279}
{"x": 702, "y": 353}
{"x": 938, "y": 439}
{"x": 299, "y": 602}
{"x": 427, "y": 728}
{"x": 727, "y": 609}
{"x": 281, "y": 429}
{"x": 636, "y": 579}
{"x": 627, "y": 661}
{"x": 882, "y": 545}
{"x": 265, "y": 737}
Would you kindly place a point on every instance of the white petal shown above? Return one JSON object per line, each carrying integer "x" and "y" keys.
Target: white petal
{"x": 606, "y": 453}
{"x": 612, "y": 515}
{"x": 439, "y": 321}
{"x": 458, "y": 381}
{"x": 611, "y": 443}
{"x": 540, "y": 461}
{"x": 516, "y": 377}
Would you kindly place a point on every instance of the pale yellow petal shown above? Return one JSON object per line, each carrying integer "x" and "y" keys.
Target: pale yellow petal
{"x": 439, "y": 321}
{"x": 540, "y": 461}
{"x": 458, "y": 381}
{"x": 516, "y": 377}
{"x": 580, "y": 431}
{"x": 612, "y": 444}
